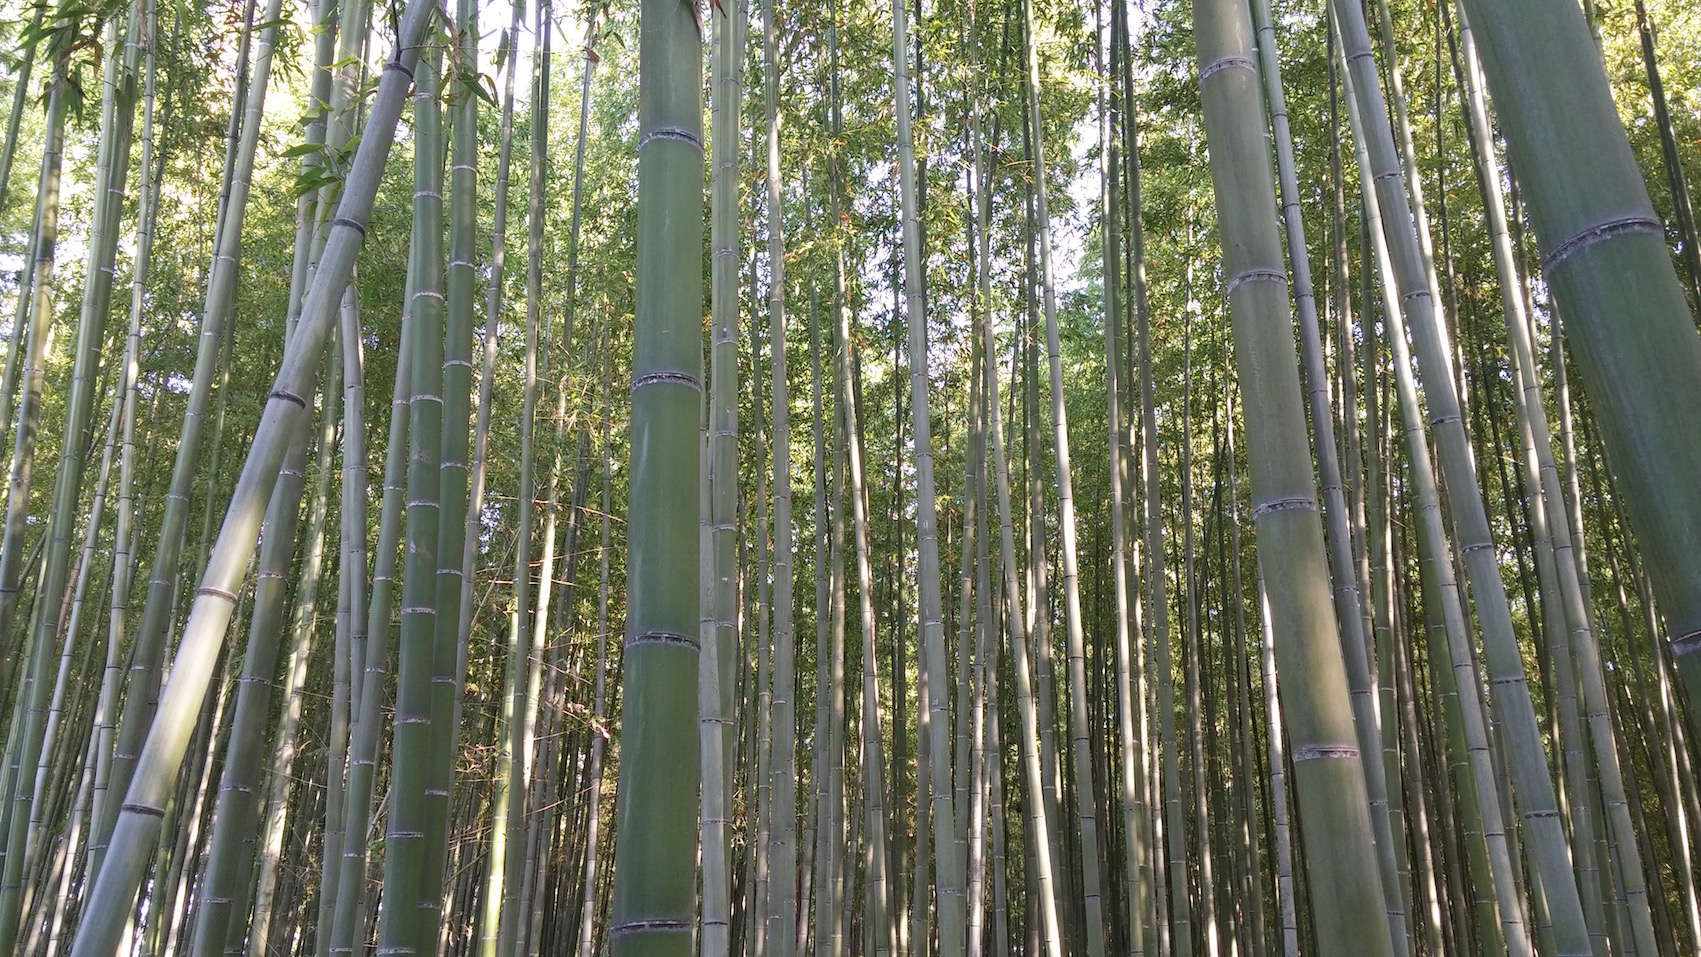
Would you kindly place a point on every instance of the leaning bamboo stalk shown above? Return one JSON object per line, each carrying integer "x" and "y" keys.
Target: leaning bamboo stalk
{"x": 225, "y": 890}
{"x": 1552, "y": 520}
{"x": 1380, "y": 780}
{"x": 1510, "y": 693}
{"x": 1432, "y": 540}
{"x": 138, "y": 823}
{"x": 1329, "y": 779}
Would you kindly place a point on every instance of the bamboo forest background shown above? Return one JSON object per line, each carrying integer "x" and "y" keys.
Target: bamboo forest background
{"x": 935, "y": 482}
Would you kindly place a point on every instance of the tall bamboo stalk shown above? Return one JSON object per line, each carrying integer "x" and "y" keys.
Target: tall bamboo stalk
{"x": 39, "y": 318}
{"x": 1040, "y": 821}
{"x": 1327, "y": 764}
{"x": 447, "y": 650}
{"x": 489, "y": 920}
{"x": 407, "y": 923}
{"x": 654, "y": 859}
{"x": 781, "y": 906}
{"x": 950, "y": 867}
{"x": 600, "y": 701}
{"x": 715, "y": 676}
{"x": 1380, "y": 780}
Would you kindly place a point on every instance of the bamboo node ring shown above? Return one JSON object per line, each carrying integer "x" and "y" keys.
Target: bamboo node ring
{"x": 1283, "y": 504}
{"x": 675, "y": 133}
{"x": 1686, "y": 644}
{"x": 1315, "y": 752}
{"x": 144, "y": 809}
{"x": 665, "y": 377}
{"x": 1254, "y": 275}
{"x": 1600, "y": 232}
{"x": 1226, "y": 63}
{"x": 652, "y": 926}
{"x": 664, "y": 638}
{"x": 289, "y": 396}
{"x": 356, "y": 226}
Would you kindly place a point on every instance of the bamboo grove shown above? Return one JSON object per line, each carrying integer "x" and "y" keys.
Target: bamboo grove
{"x": 826, "y": 477}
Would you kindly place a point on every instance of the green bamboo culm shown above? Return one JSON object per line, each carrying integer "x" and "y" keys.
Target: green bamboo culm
{"x": 782, "y": 894}
{"x": 937, "y": 723}
{"x": 490, "y": 909}
{"x": 513, "y": 761}
{"x": 137, "y": 828}
{"x": 1346, "y": 888}
{"x": 20, "y": 97}
{"x": 1349, "y": 611}
{"x": 1605, "y": 257}
{"x": 1425, "y": 319}
{"x": 407, "y": 923}
{"x": 453, "y": 459}
{"x": 655, "y": 858}
{"x": 719, "y": 624}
